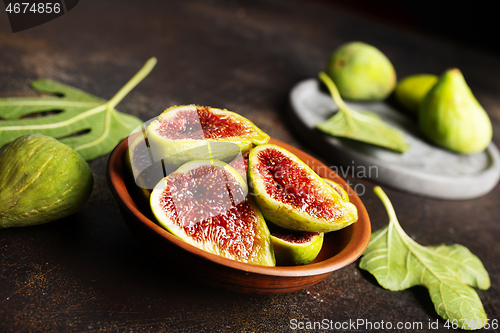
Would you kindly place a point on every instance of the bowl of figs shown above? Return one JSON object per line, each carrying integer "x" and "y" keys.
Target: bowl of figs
{"x": 217, "y": 200}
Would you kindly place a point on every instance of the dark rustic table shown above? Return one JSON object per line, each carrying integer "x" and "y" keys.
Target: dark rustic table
{"x": 87, "y": 272}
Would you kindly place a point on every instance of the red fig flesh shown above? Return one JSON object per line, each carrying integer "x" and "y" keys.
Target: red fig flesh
{"x": 290, "y": 194}
{"x": 205, "y": 203}
{"x": 189, "y": 132}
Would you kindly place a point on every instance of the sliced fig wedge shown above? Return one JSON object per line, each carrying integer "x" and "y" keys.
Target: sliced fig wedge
{"x": 337, "y": 187}
{"x": 205, "y": 203}
{"x": 290, "y": 194}
{"x": 144, "y": 172}
{"x": 295, "y": 247}
{"x": 189, "y": 132}
{"x": 241, "y": 165}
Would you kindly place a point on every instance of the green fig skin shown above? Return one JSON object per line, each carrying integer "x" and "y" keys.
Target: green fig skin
{"x": 361, "y": 72}
{"x": 292, "y": 248}
{"x": 452, "y": 118}
{"x": 337, "y": 187}
{"x": 411, "y": 90}
{"x": 41, "y": 180}
{"x": 144, "y": 173}
{"x": 300, "y": 200}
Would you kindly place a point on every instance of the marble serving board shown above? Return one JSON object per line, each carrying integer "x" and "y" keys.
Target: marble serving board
{"x": 424, "y": 169}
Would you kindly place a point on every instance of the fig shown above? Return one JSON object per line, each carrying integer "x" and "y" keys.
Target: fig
{"x": 291, "y": 195}
{"x": 295, "y": 247}
{"x": 361, "y": 72}
{"x": 41, "y": 180}
{"x": 452, "y": 118}
{"x": 190, "y": 132}
{"x": 411, "y": 90}
{"x": 241, "y": 165}
{"x": 205, "y": 203}
{"x": 338, "y": 188}
{"x": 140, "y": 166}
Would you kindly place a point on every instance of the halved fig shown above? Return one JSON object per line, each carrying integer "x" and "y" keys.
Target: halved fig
{"x": 241, "y": 165}
{"x": 189, "y": 132}
{"x": 290, "y": 194}
{"x": 141, "y": 168}
{"x": 295, "y": 247}
{"x": 205, "y": 203}
{"x": 337, "y": 187}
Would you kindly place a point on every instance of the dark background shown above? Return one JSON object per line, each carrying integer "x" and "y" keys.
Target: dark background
{"x": 472, "y": 24}
{"x": 87, "y": 272}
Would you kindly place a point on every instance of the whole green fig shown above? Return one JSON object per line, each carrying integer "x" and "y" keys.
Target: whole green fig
{"x": 451, "y": 117}
{"x": 41, "y": 180}
{"x": 411, "y": 90}
{"x": 361, "y": 72}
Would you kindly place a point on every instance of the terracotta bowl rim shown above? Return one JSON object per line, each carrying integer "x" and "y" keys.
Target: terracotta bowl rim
{"x": 361, "y": 230}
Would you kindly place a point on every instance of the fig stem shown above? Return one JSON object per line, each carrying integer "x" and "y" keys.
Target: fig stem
{"x": 334, "y": 92}
{"x": 387, "y": 204}
{"x": 111, "y": 104}
{"x": 138, "y": 77}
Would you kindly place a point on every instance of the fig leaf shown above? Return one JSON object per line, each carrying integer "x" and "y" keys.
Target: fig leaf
{"x": 88, "y": 124}
{"x": 448, "y": 272}
{"x": 360, "y": 125}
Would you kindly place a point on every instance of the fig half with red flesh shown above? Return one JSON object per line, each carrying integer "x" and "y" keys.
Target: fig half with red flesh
{"x": 337, "y": 187}
{"x": 205, "y": 203}
{"x": 144, "y": 172}
{"x": 290, "y": 194}
{"x": 295, "y": 247}
{"x": 189, "y": 132}
{"x": 241, "y": 165}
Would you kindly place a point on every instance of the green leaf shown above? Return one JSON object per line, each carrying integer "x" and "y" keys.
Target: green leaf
{"x": 448, "y": 272}
{"x": 88, "y": 124}
{"x": 362, "y": 126}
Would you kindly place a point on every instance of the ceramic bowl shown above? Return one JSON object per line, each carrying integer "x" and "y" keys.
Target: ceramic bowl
{"x": 340, "y": 248}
